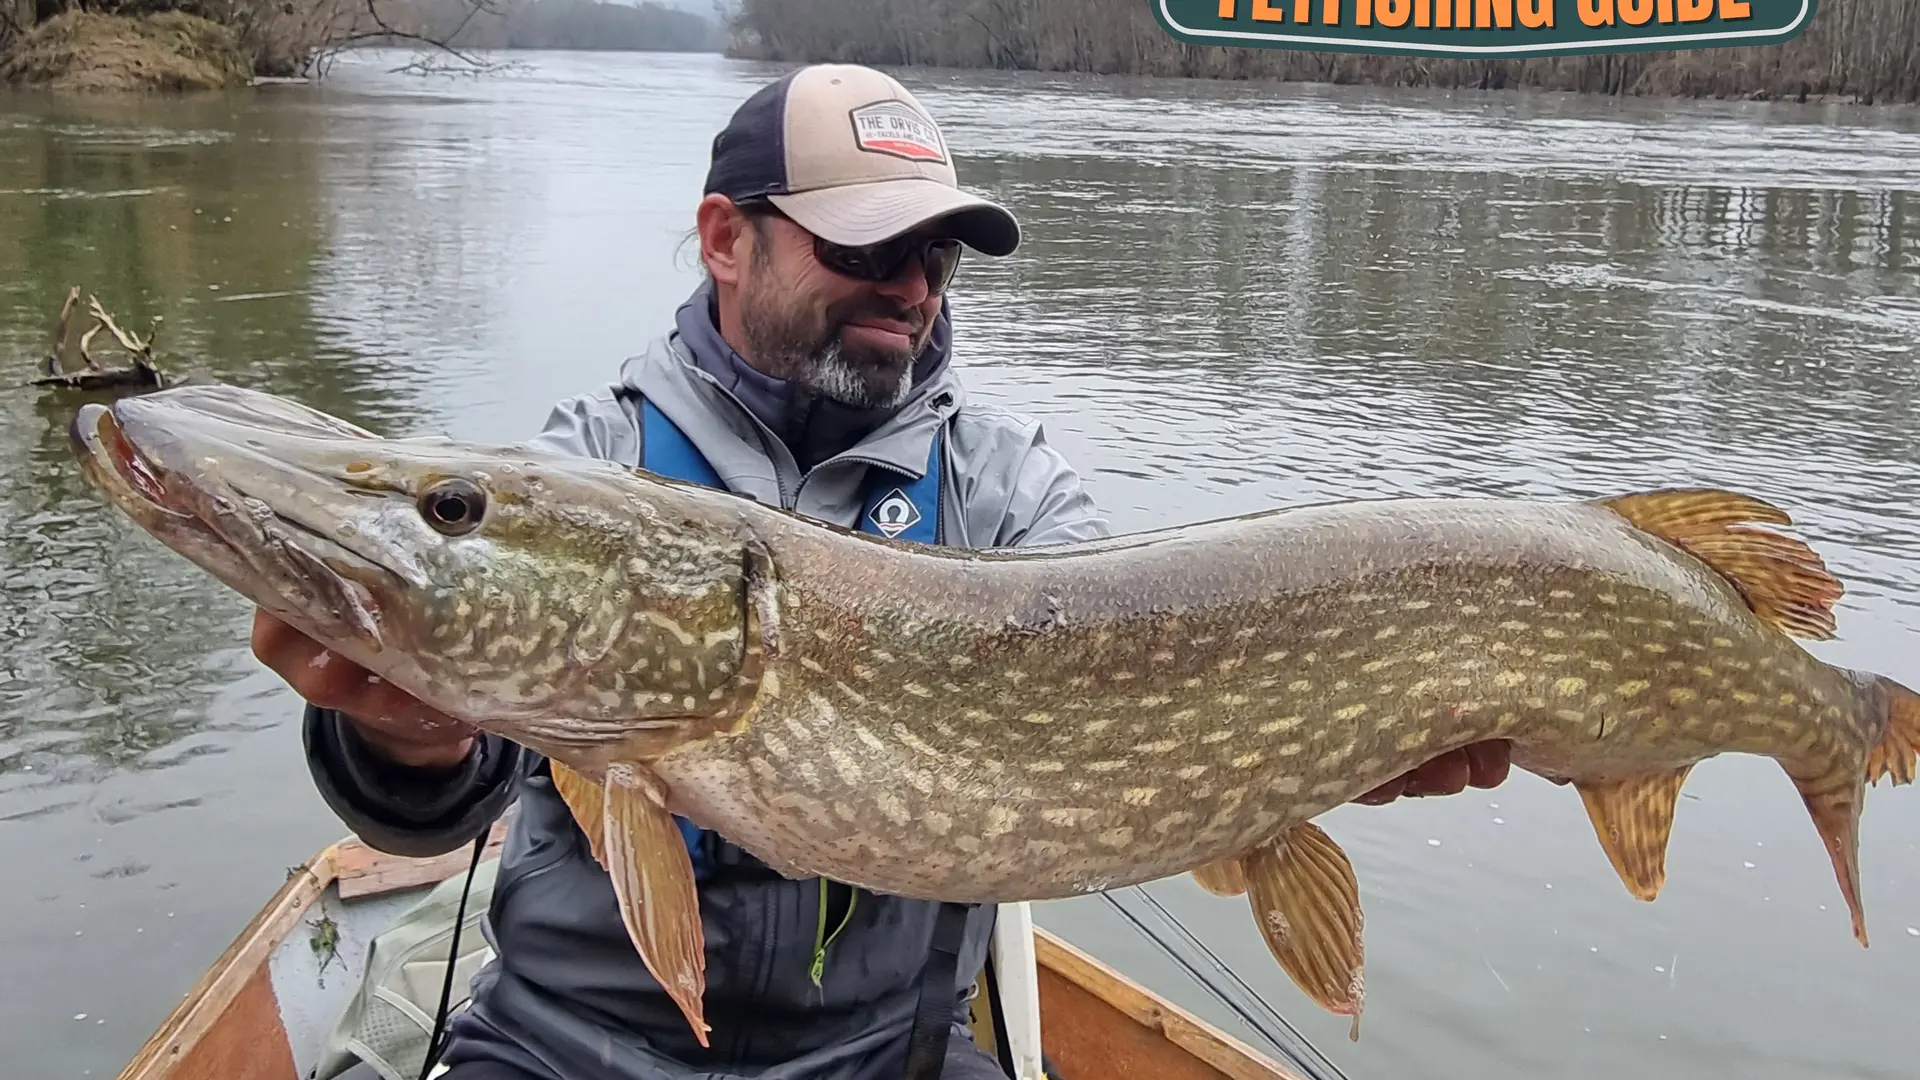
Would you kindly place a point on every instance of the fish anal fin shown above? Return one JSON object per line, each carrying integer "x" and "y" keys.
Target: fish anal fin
{"x": 1783, "y": 580}
{"x": 1306, "y": 902}
{"x": 653, "y": 879}
{"x": 1633, "y": 817}
{"x": 1899, "y": 746}
{"x": 1222, "y": 877}
{"x": 587, "y": 800}
{"x": 1834, "y": 802}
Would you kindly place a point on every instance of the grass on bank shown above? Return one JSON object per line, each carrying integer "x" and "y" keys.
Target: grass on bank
{"x": 84, "y": 51}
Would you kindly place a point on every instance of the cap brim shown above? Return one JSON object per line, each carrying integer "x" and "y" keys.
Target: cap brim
{"x": 857, "y": 214}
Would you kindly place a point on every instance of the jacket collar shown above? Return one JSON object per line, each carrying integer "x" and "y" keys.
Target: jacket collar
{"x": 814, "y": 429}
{"x": 714, "y": 411}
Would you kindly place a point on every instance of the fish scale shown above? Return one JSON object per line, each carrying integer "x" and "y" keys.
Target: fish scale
{"x": 1009, "y": 725}
{"x": 1252, "y": 715}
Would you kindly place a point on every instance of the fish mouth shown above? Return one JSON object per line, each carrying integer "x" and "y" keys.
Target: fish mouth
{"x": 157, "y": 462}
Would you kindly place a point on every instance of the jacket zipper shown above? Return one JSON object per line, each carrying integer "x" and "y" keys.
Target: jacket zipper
{"x": 822, "y": 939}
{"x": 940, "y": 503}
{"x": 771, "y": 446}
{"x": 770, "y": 443}
{"x": 790, "y": 500}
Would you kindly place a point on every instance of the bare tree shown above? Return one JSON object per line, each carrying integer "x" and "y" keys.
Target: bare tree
{"x": 1860, "y": 50}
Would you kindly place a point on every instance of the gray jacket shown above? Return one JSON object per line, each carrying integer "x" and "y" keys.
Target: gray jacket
{"x": 567, "y": 997}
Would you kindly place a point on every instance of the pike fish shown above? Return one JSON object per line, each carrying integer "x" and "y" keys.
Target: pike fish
{"x": 1010, "y": 725}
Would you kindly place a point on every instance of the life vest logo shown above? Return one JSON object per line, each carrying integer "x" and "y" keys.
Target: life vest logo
{"x": 894, "y": 514}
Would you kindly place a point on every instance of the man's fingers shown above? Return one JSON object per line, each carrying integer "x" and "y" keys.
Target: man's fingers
{"x": 315, "y": 674}
{"x": 1444, "y": 775}
{"x": 1385, "y": 793}
{"x": 1490, "y": 762}
{"x": 331, "y": 681}
{"x": 274, "y": 642}
{"x": 1482, "y": 765}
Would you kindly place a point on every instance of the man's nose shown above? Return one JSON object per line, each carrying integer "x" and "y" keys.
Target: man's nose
{"x": 908, "y": 286}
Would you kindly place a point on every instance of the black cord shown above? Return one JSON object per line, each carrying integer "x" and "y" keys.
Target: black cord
{"x": 1293, "y": 1046}
{"x": 434, "y": 1044}
{"x": 1298, "y": 1045}
{"x": 997, "y": 1011}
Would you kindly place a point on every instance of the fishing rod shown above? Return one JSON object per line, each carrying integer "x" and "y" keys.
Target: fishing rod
{"x": 1275, "y": 1029}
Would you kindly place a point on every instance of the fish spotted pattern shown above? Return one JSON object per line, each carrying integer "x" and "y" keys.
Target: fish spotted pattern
{"x": 1021, "y": 725}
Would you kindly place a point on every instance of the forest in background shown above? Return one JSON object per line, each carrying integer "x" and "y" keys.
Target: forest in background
{"x": 44, "y": 40}
{"x": 558, "y": 24}
{"x": 1854, "y": 50}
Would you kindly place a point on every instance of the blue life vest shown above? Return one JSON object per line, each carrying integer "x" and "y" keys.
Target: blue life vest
{"x": 894, "y": 505}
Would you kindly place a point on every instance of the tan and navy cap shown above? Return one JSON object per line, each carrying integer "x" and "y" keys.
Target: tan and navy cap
{"x": 851, "y": 156}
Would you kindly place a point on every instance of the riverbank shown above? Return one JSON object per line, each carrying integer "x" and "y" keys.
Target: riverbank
{"x": 1854, "y": 51}
{"x": 87, "y": 52}
{"x": 174, "y": 50}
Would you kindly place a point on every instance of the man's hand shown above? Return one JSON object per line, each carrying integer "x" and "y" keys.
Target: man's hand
{"x": 1481, "y": 765}
{"x": 396, "y": 724}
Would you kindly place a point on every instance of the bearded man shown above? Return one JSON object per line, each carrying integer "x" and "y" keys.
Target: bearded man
{"x": 810, "y": 370}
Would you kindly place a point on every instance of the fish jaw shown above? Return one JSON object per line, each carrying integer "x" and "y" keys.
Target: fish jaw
{"x": 563, "y": 602}
{"x": 311, "y": 585}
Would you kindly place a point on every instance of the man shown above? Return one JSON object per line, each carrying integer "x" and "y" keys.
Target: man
{"x": 809, "y": 370}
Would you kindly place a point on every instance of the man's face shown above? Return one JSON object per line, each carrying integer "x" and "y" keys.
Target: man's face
{"x": 848, "y": 340}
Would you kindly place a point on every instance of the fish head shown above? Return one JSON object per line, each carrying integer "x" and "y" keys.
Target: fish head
{"x": 528, "y": 592}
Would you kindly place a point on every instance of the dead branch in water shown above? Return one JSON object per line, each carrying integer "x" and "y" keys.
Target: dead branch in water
{"x": 56, "y": 360}
{"x": 141, "y": 374}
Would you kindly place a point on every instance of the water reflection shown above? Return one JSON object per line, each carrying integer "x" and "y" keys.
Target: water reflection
{"x": 106, "y": 638}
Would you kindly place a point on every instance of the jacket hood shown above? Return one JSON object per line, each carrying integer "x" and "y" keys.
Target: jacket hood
{"x": 814, "y": 428}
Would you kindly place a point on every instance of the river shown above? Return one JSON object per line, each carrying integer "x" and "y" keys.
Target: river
{"x": 1229, "y": 297}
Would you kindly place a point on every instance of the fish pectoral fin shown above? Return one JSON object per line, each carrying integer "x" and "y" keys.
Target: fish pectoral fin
{"x": 1222, "y": 877}
{"x": 1633, "y": 818}
{"x": 1783, "y": 580}
{"x": 1306, "y": 902}
{"x": 587, "y": 801}
{"x": 653, "y": 879}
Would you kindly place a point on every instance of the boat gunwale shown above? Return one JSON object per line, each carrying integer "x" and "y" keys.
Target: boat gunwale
{"x": 370, "y": 873}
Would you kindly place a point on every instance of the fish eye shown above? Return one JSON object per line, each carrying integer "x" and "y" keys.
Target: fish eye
{"x": 453, "y": 506}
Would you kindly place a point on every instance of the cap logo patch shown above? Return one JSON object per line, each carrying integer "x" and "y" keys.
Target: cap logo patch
{"x": 894, "y": 128}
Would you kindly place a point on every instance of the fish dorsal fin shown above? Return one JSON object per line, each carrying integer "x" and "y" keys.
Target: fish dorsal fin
{"x": 1782, "y": 579}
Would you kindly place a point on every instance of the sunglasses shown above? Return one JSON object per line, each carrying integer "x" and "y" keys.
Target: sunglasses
{"x": 939, "y": 258}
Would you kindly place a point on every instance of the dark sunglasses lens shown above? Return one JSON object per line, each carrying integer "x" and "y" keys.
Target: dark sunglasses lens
{"x": 877, "y": 263}
{"x": 883, "y": 262}
{"x": 943, "y": 261}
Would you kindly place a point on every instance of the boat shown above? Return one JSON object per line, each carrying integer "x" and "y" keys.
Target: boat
{"x": 271, "y": 1006}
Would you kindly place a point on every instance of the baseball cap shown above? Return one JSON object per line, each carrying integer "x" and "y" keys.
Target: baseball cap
{"x": 851, "y": 156}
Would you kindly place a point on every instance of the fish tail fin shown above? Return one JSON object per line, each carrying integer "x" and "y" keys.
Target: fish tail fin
{"x": 1783, "y": 580}
{"x": 1898, "y": 750}
{"x": 1834, "y": 800}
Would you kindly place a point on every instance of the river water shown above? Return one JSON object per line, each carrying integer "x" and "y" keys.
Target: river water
{"x": 1230, "y": 297}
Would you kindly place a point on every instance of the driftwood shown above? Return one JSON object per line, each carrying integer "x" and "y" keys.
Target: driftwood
{"x": 140, "y": 375}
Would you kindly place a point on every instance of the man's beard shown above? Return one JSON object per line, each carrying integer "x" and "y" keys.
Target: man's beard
{"x": 803, "y": 345}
